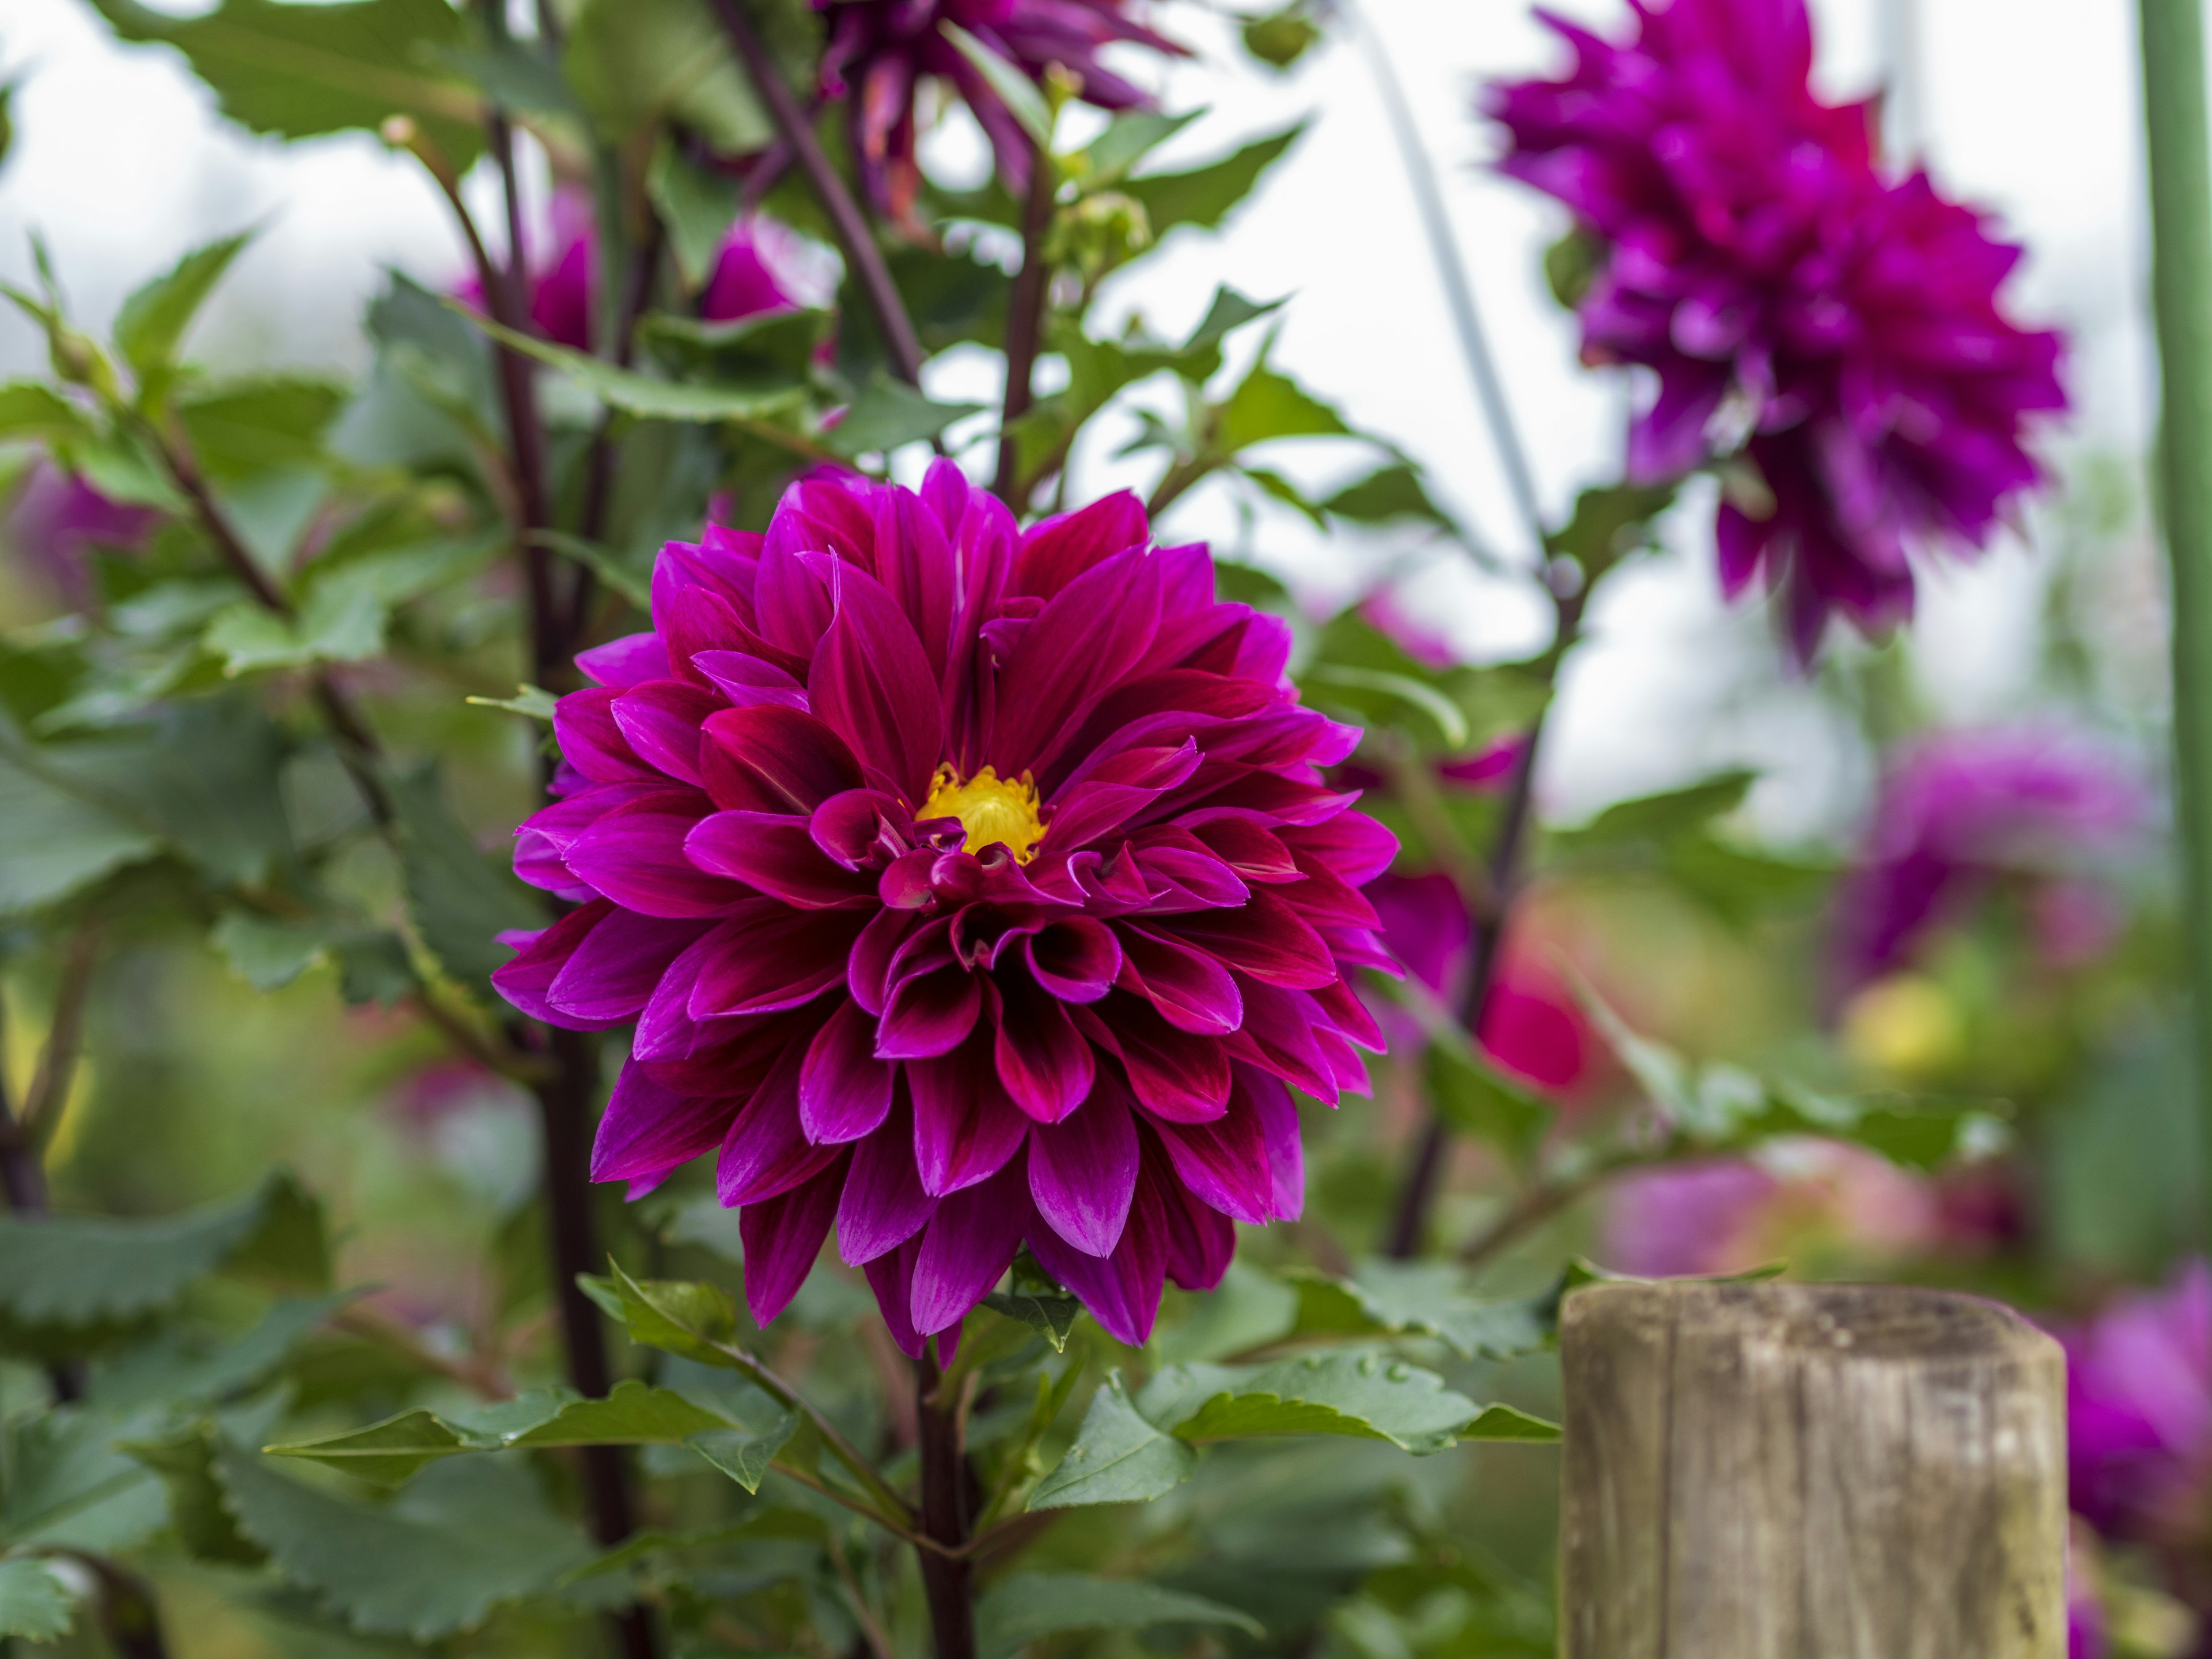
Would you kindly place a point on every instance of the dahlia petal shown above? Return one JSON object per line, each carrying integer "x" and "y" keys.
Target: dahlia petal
{"x": 1192, "y": 991}
{"x": 1352, "y": 844}
{"x": 635, "y": 856}
{"x": 968, "y": 1246}
{"x": 1286, "y": 1155}
{"x": 867, "y": 973}
{"x": 883, "y": 1204}
{"x": 768, "y": 956}
{"x": 1225, "y": 1161}
{"x": 872, "y": 681}
{"x": 1122, "y": 1288}
{"x": 1198, "y": 1240}
{"x": 1057, "y": 550}
{"x": 844, "y": 1090}
{"x": 1074, "y": 957}
{"x": 790, "y": 599}
{"x": 611, "y": 973}
{"x": 1264, "y": 938}
{"x": 1279, "y": 1032}
{"x": 1254, "y": 854}
{"x": 1043, "y": 1059}
{"x": 783, "y": 1237}
{"x": 1174, "y": 1074}
{"x": 1183, "y": 880}
{"x": 774, "y": 854}
{"x": 745, "y": 679}
{"x": 661, "y": 719}
{"x": 1083, "y": 1170}
{"x": 915, "y": 563}
{"x": 1088, "y": 635}
{"x": 584, "y": 726}
{"x": 630, "y": 660}
{"x": 928, "y": 1014}
{"x": 764, "y": 1151}
{"x": 647, "y": 1128}
{"x": 1325, "y": 899}
{"x": 698, "y": 619}
{"x": 526, "y": 980}
{"x": 771, "y": 759}
{"x": 965, "y": 1127}
{"x": 859, "y": 826}
{"x": 891, "y": 1276}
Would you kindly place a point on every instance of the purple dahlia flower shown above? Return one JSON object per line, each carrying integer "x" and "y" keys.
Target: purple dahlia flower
{"x": 1841, "y": 327}
{"x": 880, "y": 50}
{"x": 2139, "y": 1411}
{"x": 57, "y": 518}
{"x": 971, "y": 887}
{"x": 1962, "y": 809}
{"x": 761, "y": 267}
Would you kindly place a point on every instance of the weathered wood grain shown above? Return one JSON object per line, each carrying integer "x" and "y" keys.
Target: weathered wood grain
{"x": 1810, "y": 1472}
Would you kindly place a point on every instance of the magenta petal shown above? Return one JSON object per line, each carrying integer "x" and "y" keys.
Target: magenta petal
{"x": 891, "y": 1276}
{"x": 969, "y": 1244}
{"x": 770, "y": 758}
{"x": 883, "y": 1204}
{"x": 844, "y": 1090}
{"x": 872, "y": 681}
{"x": 1175, "y": 1075}
{"x": 745, "y": 679}
{"x": 1041, "y": 1058}
{"x": 928, "y": 1014}
{"x": 630, "y": 660}
{"x": 1056, "y": 552}
{"x": 584, "y": 727}
{"x": 774, "y": 854}
{"x": 1192, "y": 991}
{"x": 859, "y": 826}
{"x": 526, "y": 980}
{"x": 1083, "y": 1170}
{"x": 868, "y": 971}
{"x": 765, "y": 1151}
{"x": 1085, "y": 639}
{"x": 1225, "y": 1161}
{"x": 1264, "y": 938}
{"x": 1278, "y": 1127}
{"x": 646, "y": 1128}
{"x": 965, "y": 1128}
{"x": 768, "y": 957}
{"x": 1121, "y": 1290}
{"x": 1075, "y": 958}
{"x": 611, "y": 974}
{"x": 661, "y": 719}
{"x": 783, "y": 1237}
{"x": 635, "y": 855}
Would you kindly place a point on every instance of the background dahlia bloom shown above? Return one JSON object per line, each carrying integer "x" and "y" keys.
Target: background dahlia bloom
{"x": 761, "y": 266}
{"x": 2139, "y": 1411}
{"x": 880, "y": 50}
{"x": 1837, "y": 331}
{"x": 1963, "y": 810}
{"x": 970, "y": 888}
{"x": 57, "y": 520}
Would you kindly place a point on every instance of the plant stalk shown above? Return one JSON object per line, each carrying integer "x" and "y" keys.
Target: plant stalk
{"x": 949, "y": 1580}
{"x": 1417, "y": 1195}
{"x": 863, "y": 258}
{"x": 2180, "y": 155}
{"x": 1025, "y": 315}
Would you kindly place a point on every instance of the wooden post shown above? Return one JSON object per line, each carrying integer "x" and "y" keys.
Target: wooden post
{"x": 1810, "y": 1472}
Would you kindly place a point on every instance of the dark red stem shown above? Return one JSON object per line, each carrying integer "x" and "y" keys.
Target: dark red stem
{"x": 949, "y": 1581}
{"x": 1025, "y": 322}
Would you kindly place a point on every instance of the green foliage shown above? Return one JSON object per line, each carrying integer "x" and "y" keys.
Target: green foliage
{"x": 461, "y": 900}
{"x": 153, "y": 320}
{"x": 1203, "y": 197}
{"x": 1029, "y": 1606}
{"x": 35, "y": 1603}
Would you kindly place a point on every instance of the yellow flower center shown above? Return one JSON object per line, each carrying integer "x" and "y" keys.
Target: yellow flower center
{"x": 990, "y": 808}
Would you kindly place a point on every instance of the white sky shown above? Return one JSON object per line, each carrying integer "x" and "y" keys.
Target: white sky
{"x": 2028, "y": 107}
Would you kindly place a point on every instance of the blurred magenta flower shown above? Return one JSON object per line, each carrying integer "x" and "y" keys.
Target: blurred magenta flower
{"x": 1729, "y": 1215}
{"x": 763, "y": 266}
{"x": 1833, "y": 334}
{"x": 969, "y": 886}
{"x": 1530, "y": 1024}
{"x": 2139, "y": 1411}
{"x": 2085, "y": 1611}
{"x": 1959, "y": 811}
{"x": 56, "y": 517}
{"x": 881, "y": 51}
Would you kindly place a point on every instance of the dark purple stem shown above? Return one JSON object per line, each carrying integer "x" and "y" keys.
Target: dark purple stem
{"x": 1025, "y": 316}
{"x": 948, "y": 1580}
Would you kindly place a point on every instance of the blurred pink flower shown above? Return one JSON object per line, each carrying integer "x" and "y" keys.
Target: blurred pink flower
{"x": 1836, "y": 331}
{"x": 2139, "y": 1411}
{"x": 1959, "y": 810}
{"x": 56, "y": 517}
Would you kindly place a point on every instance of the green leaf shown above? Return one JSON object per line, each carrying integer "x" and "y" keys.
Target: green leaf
{"x": 155, "y": 317}
{"x": 1609, "y": 524}
{"x": 532, "y": 703}
{"x": 1657, "y": 818}
{"x": 298, "y": 71}
{"x": 1280, "y": 38}
{"x": 1389, "y": 494}
{"x": 1128, "y": 138}
{"x": 1247, "y": 1309}
{"x": 689, "y": 1318}
{"x": 1035, "y": 1300}
{"x": 436, "y": 1560}
{"x": 634, "y": 1414}
{"x": 890, "y": 413}
{"x": 640, "y": 394}
{"x": 1270, "y": 404}
{"x": 1450, "y": 720}
{"x": 68, "y": 1488}
{"x": 638, "y": 63}
{"x": 183, "y": 1363}
{"x": 28, "y": 410}
{"x": 1016, "y": 90}
{"x": 1366, "y": 1395}
{"x": 741, "y": 1454}
{"x": 385, "y": 1454}
{"x": 1203, "y": 196}
{"x": 1031, "y": 1606}
{"x": 1426, "y": 1299}
{"x": 345, "y": 606}
{"x": 1479, "y": 1099}
{"x": 461, "y": 900}
{"x": 62, "y": 1271}
{"x": 698, "y": 205}
{"x": 54, "y": 842}
{"x": 266, "y": 953}
{"x": 35, "y": 1603}
{"x": 634, "y": 585}
{"x": 239, "y": 428}
{"x": 186, "y": 1463}
{"x": 1118, "y": 1457}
